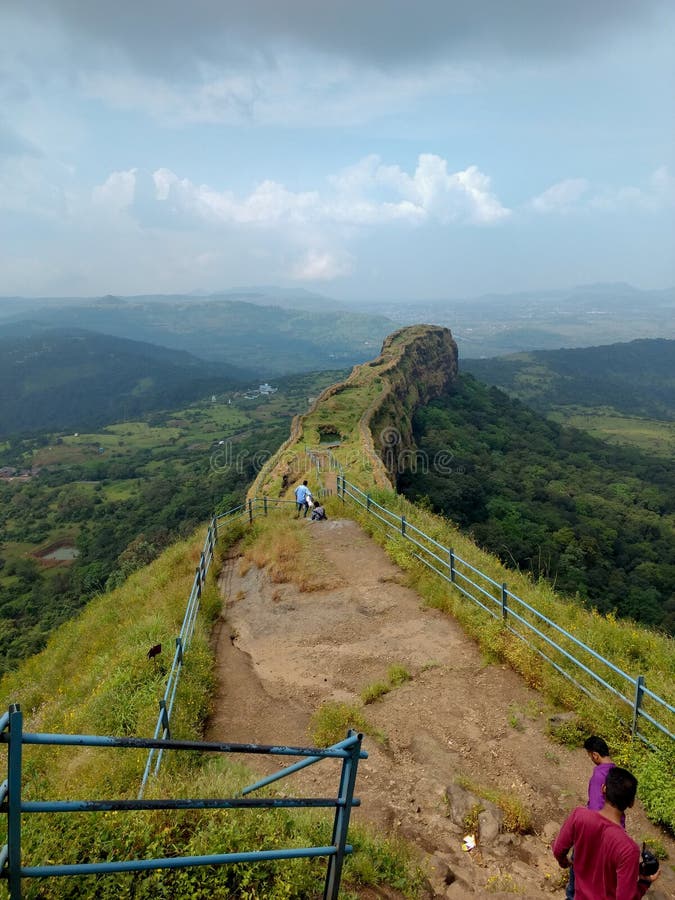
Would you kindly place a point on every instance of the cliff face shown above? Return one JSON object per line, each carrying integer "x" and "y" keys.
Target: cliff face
{"x": 368, "y": 417}
{"x": 425, "y": 368}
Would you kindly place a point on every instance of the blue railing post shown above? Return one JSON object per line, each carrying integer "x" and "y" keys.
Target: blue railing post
{"x": 250, "y": 512}
{"x": 342, "y": 813}
{"x": 639, "y": 690}
{"x": 214, "y": 525}
{"x": 403, "y": 525}
{"x": 368, "y": 502}
{"x": 165, "y": 718}
{"x": 14, "y": 801}
{"x": 451, "y": 555}
{"x": 198, "y": 582}
{"x": 202, "y": 568}
{"x": 505, "y": 602}
{"x": 265, "y": 504}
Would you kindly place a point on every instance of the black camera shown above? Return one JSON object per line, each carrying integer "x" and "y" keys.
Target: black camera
{"x": 649, "y": 864}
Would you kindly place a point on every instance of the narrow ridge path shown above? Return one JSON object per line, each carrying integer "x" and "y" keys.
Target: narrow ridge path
{"x": 282, "y": 652}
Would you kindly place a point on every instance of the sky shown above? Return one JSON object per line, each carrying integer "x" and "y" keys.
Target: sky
{"x": 379, "y": 149}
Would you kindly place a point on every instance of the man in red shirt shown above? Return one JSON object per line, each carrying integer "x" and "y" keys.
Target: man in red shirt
{"x": 606, "y": 860}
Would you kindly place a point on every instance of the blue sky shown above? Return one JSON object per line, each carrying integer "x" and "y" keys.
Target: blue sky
{"x": 378, "y": 149}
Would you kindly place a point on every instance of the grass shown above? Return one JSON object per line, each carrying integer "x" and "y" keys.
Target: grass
{"x": 282, "y": 545}
{"x": 331, "y": 722}
{"x": 649, "y": 435}
{"x": 94, "y": 678}
{"x": 374, "y": 691}
{"x": 396, "y": 676}
{"x": 517, "y": 818}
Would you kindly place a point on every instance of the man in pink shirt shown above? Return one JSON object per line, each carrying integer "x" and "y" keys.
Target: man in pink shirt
{"x": 598, "y": 753}
{"x": 606, "y": 860}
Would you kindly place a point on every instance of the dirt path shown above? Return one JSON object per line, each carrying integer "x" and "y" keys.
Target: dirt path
{"x": 281, "y": 653}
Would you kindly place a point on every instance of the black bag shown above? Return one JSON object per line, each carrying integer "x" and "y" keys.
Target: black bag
{"x": 649, "y": 864}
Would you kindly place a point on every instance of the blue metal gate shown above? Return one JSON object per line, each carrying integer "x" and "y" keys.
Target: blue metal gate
{"x": 12, "y": 804}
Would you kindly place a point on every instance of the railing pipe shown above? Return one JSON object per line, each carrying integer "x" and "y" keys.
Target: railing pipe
{"x": 341, "y": 822}
{"x": 282, "y": 773}
{"x": 406, "y": 529}
{"x": 14, "y": 801}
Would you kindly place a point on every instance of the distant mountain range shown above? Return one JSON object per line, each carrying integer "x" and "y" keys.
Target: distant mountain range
{"x": 59, "y": 380}
{"x": 268, "y": 339}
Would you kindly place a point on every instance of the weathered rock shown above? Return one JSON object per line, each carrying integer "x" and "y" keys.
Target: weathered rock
{"x": 490, "y": 822}
{"x": 460, "y": 803}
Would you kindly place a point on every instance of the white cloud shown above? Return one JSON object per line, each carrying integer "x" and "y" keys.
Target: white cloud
{"x": 320, "y": 265}
{"x": 117, "y": 192}
{"x": 576, "y": 194}
{"x": 561, "y": 197}
{"x": 367, "y": 194}
{"x": 658, "y": 193}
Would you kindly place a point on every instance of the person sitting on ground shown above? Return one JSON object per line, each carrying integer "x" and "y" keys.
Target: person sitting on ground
{"x": 318, "y": 513}
{"x": 606, "y": 860}
{"x": 302, "y": 497}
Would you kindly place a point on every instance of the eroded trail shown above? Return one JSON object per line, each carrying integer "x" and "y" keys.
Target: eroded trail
{"x": 282, "y": 652}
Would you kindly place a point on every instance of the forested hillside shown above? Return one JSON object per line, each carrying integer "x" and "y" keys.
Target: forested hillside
{"x": 98, "y": 506}
{"x": 595, "y": 520}
{"x": 78, "y": 379}
{"x": 635, "y": 378}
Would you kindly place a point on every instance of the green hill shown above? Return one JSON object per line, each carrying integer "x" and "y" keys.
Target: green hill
{"x": 77, "y": 379}
{"x": 634, "y": 379}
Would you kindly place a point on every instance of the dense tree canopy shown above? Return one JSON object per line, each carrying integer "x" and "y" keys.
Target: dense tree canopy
{"x": 595, "y": 520}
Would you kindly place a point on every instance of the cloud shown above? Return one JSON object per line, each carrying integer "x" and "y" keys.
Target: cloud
{"x": 288, "y": 90}
{"x": 169, "y": 35}
{"x": 117, "y": 192}
{"x": 561, "y": 197}
{"x": 367, "y": 194}
{"x": 577, "y": 194}
{"x": 321, "y": 265}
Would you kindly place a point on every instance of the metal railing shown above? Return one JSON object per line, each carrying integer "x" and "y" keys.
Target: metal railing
{"x": 12, "y": 804}
{"x": 567, "y": 654}
{"x": 244, "y": 512}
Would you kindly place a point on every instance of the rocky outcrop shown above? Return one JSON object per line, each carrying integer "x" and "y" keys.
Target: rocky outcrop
{"x": 370, "y": 413}
{"x": 425, "y": 367}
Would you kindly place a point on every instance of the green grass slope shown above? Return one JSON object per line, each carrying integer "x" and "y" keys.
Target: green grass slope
{"x": 94, "y": 678}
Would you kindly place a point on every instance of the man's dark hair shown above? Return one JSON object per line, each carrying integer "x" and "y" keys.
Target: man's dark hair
{"x": 595, "y": 744}
{"x": 305, "y": 481}
{"x": 620, "y": 788}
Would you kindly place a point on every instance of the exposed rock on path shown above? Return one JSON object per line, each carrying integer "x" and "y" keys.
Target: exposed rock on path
{"x": 281, "y": 653}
